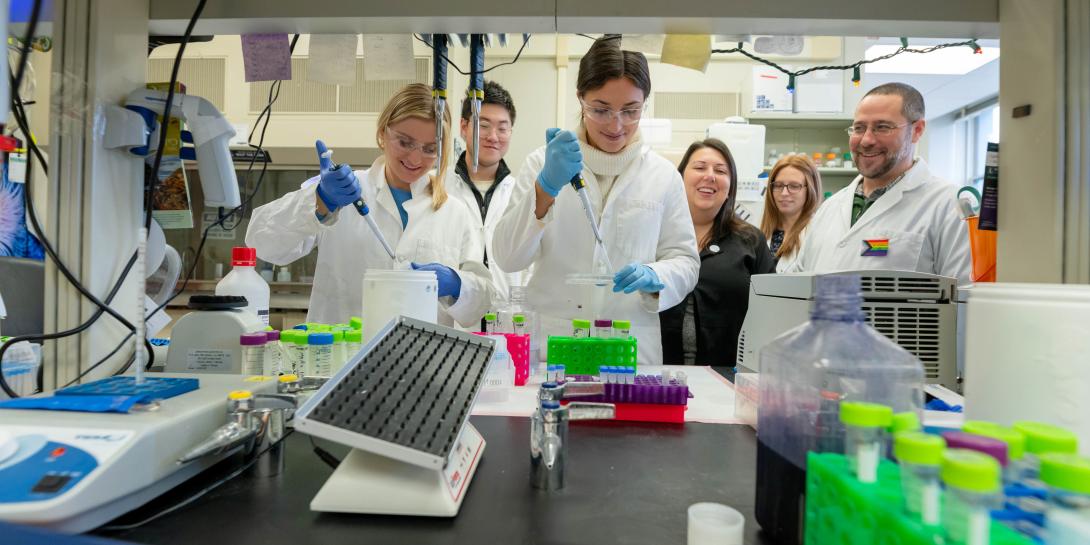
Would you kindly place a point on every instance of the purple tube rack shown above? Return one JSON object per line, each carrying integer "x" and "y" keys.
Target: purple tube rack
{"x": 647, "y": 389}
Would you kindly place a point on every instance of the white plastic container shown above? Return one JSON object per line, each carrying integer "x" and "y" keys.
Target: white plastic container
{"x": 1028, "y": 342}
{"x": 500, "y": 377}
{"x": 243, "y": 280}
{"x": 389, "y": 294}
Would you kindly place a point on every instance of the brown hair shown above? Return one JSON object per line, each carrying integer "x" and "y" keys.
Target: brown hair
{"x": 773, "y": 219}
{"x": 606, "y": 61}
{"x": 726, "y": 220}
{"x": 415, "y": 100}
{"x": 912, "y": 107}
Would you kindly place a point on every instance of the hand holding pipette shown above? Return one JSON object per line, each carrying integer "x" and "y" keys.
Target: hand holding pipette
{"x": 346, "y": 192}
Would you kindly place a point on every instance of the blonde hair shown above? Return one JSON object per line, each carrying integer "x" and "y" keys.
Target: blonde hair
{"x": 773, "y": 219}
{"x": 415, "y": 101}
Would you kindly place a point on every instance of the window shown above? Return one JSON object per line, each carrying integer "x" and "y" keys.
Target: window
{"x": 976, "y": 127}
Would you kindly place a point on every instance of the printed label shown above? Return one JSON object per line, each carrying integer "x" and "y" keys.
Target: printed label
{"x": 462, "y": 457}
{"x": 199, "y": 359}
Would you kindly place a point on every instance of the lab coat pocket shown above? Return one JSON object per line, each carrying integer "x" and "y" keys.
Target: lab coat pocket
{"x": 442, "y": 251}
{"x": 638, "y": 225}
{"x": 893, "y": 250}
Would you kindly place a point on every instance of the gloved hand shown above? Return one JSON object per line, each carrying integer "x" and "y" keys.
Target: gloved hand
{"x": 563, "y": 160}
{"x": 450, "y": 284}
{"x": 337, "y": 187}
{"x": 635, "y": 276}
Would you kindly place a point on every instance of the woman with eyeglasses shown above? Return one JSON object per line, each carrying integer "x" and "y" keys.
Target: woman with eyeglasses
{"x": 794, "y": 194}
{"x": 426, "y": 229}
{"x": 637, "y": 197}
{"x": 703, "y": 329}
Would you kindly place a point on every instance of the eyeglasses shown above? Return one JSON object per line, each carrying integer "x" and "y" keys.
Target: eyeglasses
{"x": 628, "y": 116}
{"x": 791, "y": 187}
{"x": 405, "y": 144}
{"x": 501, "y": 131}
{"x": 881, "y": 129}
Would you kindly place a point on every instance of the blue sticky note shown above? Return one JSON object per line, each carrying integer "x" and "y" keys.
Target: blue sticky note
{"x": 267, "y": 57}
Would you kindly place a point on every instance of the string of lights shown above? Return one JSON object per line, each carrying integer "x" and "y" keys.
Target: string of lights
{"x": 855, "y": 67}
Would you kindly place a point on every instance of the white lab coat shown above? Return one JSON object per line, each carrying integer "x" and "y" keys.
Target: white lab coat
{"x": 787, "y": 262}
{"x": 919, "y": 216}
{"x": 501, "y": 197}
{"x": 645, "y": 219}
{"x": 287, "y": 229}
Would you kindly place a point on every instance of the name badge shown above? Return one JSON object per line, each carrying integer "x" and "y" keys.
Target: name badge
{"x": 875, "y": 247}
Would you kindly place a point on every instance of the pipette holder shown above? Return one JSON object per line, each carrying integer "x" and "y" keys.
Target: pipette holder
{"x": 647, "y": 389}
{"x": 840, "y": 510}
{"x": 549, "y": 428}
{"x": 583, "y": 356}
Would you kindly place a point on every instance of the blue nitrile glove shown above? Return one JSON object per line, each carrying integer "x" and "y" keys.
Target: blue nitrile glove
{"x": 635, "y": 276}
{"x": 450, "y": 284}
{"x": 563, "y": 160}
{"x": 337, "y": 187}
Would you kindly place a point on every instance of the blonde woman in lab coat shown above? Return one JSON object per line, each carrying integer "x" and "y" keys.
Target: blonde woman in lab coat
{"x": 794, "y": 194}
{"x": 410, "y": 206}
{"x": 637, "y": 195}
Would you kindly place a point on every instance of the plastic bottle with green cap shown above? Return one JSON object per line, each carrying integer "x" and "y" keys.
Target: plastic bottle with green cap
{"x": 340, "y": 351}
{"x": 490, "y": 323}
{"x": 904, "y": 421}
{"x": 300, "y": 353}
{"x": 518, "y": 324}
{"x": 356, "y": 323}
{"x": 622, "y": 329}
{"x": 920, "y": 456}
{"x": 1067, "y": 520}
{"x": 973, "y": 487}
{"x": 864, "y": 436}
{"x": 580, "y": 328}
{"x": 353, "y": 341}
{"x": 1014, "y": 439}
{"x": 1041, "y": 439}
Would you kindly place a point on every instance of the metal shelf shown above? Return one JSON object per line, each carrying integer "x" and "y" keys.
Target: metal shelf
{"x": 782, "y": 120}
{"x": 829, "y": 171}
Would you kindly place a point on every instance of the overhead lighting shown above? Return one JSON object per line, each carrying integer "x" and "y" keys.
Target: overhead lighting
{"x": 953, "y": 61}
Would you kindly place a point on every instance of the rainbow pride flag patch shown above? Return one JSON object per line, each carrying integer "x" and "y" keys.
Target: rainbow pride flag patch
{"x": 875, "y": 247}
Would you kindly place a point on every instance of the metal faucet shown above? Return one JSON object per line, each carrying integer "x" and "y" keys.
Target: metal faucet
{"x": 549, "y": 428}
{"x": 255, "y": 423}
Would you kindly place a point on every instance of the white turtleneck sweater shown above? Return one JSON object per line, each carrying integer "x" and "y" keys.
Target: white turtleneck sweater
{"x": 607, "y": 166}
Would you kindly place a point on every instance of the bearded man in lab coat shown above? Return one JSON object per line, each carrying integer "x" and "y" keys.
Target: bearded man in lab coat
{"x": 895, "y": 215}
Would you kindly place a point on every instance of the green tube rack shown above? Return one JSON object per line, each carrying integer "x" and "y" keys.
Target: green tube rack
{"x": 840, "y": 510}
{"x": 583, "y": 355}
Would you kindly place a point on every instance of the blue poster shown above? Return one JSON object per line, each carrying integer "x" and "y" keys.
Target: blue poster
{"x": 15, "y": 239}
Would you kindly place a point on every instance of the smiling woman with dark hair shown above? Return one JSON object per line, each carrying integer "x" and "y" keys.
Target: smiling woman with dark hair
{"x": 703, "y": 329}
{"x": 636, "y": 195}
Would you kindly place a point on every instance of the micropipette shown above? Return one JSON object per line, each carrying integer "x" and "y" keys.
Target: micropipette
{"x": 581, "y": 188}
{"x": 364, "y": 211}
{"x": 439, "y": 90}
{"x": 141, "y": 357}
{"x": 476, "y": 90}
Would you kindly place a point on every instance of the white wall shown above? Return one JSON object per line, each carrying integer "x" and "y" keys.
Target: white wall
{"x": 533, "y": 81}
{"x": 1031, "y": 208}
